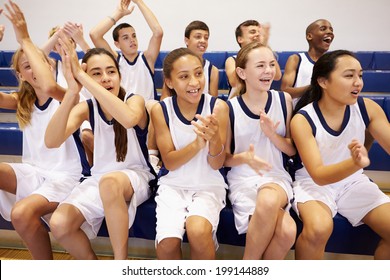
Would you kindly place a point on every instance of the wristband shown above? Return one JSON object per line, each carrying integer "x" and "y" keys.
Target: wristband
{"x": 113, "y": 20}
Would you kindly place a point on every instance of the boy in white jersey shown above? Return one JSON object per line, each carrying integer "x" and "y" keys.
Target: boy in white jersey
{"x": 298, "y": 69}
{"x": 191, "y": 134}
{"x": 329, "y": 133}
{"x": 137, "y": 68}
{"x": 35, "y": 187}
{"x": 259, "y": 186}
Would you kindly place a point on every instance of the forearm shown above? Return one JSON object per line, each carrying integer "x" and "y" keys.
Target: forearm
{"x": 284, "y": 144}
{"x": 216, "y": 155}
{"x": 176, "y": 158}
{"x": 150, "y": 18}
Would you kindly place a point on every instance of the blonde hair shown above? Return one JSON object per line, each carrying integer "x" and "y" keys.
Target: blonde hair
{"x": 26, "y": 93}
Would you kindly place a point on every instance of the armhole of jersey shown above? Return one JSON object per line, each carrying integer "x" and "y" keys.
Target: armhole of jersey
{"x": 130, "y": 95}
{"x": 310, "y": 121}
{"x": 209, "y": 70}
{"x": 231, "y": 118}
{"x": 165, "y": 112}
{"x": 91, "y": 114}
{"x": 284, "y": 105}
{"x": 297, "y": 70}
{"x": 363, "y": 111}
{"x": 212, "y": 103}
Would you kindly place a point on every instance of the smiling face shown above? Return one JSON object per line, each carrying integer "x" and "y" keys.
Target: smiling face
{"x": 259, "y": 70}
{"x": 198, "y": 41}
{"x": 345, "y": 82}
{"x": 249, "y": 34}
{"x": 187, "y": 79}
{"x": 320, "y": 35}
{"x": 103, "y": 70}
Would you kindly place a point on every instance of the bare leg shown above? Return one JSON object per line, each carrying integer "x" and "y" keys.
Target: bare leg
{"x": 88, "y": 143}
{"x": 317, "y": 227}
{"x": 26, "y": 219}
{"x": 7, "y": 178}
{"x": 283, "y": 239}
{"x": 169, "y": 249}
{"x": 200, "y": 237}
{"x": 262, "y": 225}
{"x": 379, "y": 220}
{"x": 65, "y": 225}
{"x": 115, "y": 189}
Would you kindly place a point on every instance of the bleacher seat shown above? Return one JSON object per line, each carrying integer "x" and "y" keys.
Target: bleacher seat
{"x": 366, "y": 59}
{"x": 8, "y": 78}
{"x": 376, "y": 81}
{"x": 216, "y": 58}
{"x": 6, "y": 58}
{"x": 382, "y": 60}
{"x": 10, "y": 139}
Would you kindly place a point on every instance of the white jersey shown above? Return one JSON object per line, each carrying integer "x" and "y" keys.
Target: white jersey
{"x": 246, "y": 130}
{"x": 104, "y": 156}
{"x": 304, "y": 72}
{"x": 137, "y": 77}
{"x": 196, "y": 174}
{"x": 66, "y": 158}
{"x": 333, "y": 145}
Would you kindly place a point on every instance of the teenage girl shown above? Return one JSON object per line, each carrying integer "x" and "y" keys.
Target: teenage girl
{"x": 191, "y": 133}
{"x": 121, "y": 173}
{"x": 259, "y": 186}
{"x": 33, "y": 188}
{"x": 329, "y": 131}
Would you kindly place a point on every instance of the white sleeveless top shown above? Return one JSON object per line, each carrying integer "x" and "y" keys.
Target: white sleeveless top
{"x": 197, "y": 174}
{"x": 137, "y": 77}
{"x": 246, "y": 130}
{"x": 333, "y": 145}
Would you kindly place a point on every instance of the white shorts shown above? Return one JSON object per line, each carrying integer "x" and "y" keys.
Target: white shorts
{"x": 174, "y": 206}
{"x": 55, "y": 187}
{"x": 86, "y": 198}
{"x": 244, "y": 197}
{"x": 353, "y": 200}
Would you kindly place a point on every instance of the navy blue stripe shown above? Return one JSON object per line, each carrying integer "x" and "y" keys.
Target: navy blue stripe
{"x": 180, "y": 115}
{"x": 309, "y": 120}
{"x": 269, "y": 102}
{"x": 91, "y": 114}
{"x": 284, "y": 106}
{"x": 151, "y": 75}
{"x": 297, "y": 70}
{"x": 232, "y": 119}
{"x": 44, "y": 106}
{"x": 165, "y": 112}
{"x": 212, "y": 103}
{"x": 363, "y": 111}
{"x": 347, "y": 115}
{"x": 86, "y": 169}
{"x": 246, "y": 109}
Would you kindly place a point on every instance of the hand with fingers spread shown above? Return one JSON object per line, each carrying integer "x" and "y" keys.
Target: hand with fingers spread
{"x": 16, "y": 16}
{"x": 123, "y": 8}
{"x": 256, "y": 163}
{"x": 359, "y": 153}
{"x": 207, "y": 128}
{"x": 267, "y": 125}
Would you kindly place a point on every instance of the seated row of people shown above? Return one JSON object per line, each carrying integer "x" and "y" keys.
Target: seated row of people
{"x": 197, "y": 136}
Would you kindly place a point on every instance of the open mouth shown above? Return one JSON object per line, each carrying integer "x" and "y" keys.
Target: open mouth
{"x": 327, "y": 39}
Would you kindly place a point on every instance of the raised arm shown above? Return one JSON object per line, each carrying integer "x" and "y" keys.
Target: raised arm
{"x": 97, "y": 33}
{"x": 151, "y": 53}
{"x": 2, "y": 28}
{"x": 290, "y": 72}
{"x": 42, "y": 73}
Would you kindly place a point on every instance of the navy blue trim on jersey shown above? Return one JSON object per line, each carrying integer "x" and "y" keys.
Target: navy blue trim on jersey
{"x": 86, "y": 168}
{"x": 180, "y": 115}
{"x": 347, "y": 115}
{"x": 44, "y": 106}
{"x": 165, "y": 112}
{"x": 363, "y": 111}
{"x": 284, "y": 106}
{"x": 297, "y": 70}
{"x": 128, "y": 61}
{"x": 209, "y": 73}
{"x": 212, "y": 103}
{"x": 152, "y": 75}
{"x": 91, "y": 114}
{"x": 309, "y": 120}
{"x": 246, "y": 109}
{"x": 130, "y": 95}
{"x": 309, "y": 58}
{"x": 101, "y": 114}
{"x": 269, "y": 102}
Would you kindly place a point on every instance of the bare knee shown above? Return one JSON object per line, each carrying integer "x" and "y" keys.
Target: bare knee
{"x": 61, "y": 225}
{"x": 109, "y": 188}
{"x": 169, "y": 248}
{"x": 318, "y": 230}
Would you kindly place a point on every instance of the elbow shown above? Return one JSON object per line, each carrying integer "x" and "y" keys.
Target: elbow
{"x": 51, "y": 144}
{"x": 320, "y": 181}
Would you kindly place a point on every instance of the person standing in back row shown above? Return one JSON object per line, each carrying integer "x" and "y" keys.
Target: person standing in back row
{"x": 299, "y": 67}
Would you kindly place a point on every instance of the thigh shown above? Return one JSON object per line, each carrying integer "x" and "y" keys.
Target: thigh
{"x": 7, "y": 178}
